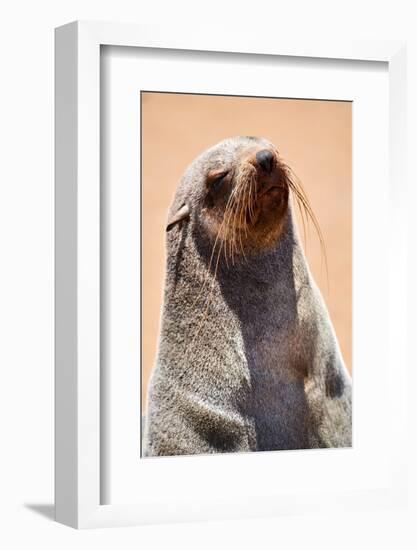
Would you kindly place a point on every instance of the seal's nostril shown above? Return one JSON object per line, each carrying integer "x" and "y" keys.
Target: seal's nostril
{"x": 265, "y": 159}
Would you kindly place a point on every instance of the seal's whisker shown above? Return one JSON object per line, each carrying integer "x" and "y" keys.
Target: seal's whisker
{"x": 226, "y": 238}
{"x": 302, "y": 200}
{"x": 234, "y": 221}
{"x": 244, "y": 178}
{"x": 254, "y": 198}
{"x": 253, "y": 195}
{"x": 251, "y": 200}
{"x": 230, "y": 232}
{"x": 226, "y": 219}
{"x": 235, "y": 217}
{"x": 302, "y": 215}
{"x": 213, "y": 250}
{"x": 242, "y": 220}
{"x": 228, "y": 214}
{"x": 246, "y": 206}
{"x": 246, "y": 212}
{"x": 308, "y": 210}
{"x": 233, "y": 233}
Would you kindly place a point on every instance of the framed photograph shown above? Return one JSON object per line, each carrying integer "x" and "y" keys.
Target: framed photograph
{"x": 229, "y": 229}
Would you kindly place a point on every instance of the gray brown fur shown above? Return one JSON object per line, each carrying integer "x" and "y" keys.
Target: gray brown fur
{"x": 264, "y": 370}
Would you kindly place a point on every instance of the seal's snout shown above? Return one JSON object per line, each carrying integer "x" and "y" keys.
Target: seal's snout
{"x": 265, "y": 160}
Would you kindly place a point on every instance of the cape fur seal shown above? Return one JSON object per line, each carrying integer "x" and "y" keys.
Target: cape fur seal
{"x": 248, "y": 359}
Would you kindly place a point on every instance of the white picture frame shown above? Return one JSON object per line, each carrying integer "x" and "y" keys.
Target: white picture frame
{"x": 78, "y": 292}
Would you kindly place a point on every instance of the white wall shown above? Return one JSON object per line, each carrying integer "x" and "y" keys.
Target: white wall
{"x": 26, "y": 268}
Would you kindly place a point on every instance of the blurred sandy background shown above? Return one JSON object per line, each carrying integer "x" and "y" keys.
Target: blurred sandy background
{"x": 314, "y": 137}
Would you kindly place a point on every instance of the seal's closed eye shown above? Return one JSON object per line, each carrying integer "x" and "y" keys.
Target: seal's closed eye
{"x": 216, "y": 178}
{"x": 217, "y": 175}
{"x": 181, "y": 214}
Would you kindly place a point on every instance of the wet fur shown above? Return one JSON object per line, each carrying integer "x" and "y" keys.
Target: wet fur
{"x": 247, "y": 358}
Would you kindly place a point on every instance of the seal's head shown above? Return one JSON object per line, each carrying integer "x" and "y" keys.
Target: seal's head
{"x": 236, "y": 195}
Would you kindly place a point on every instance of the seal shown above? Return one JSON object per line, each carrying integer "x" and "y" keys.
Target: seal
{"x": 247, "y": 359}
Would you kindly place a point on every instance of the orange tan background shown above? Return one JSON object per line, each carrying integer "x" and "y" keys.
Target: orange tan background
{"x": 314, "y": 137}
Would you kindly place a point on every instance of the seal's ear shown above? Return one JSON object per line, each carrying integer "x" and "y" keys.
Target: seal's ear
{"x": 181, "y": 214}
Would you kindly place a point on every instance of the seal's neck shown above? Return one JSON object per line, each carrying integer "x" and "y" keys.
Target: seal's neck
{"x": 269, "y": 265}
{"x": 193, "y": 266}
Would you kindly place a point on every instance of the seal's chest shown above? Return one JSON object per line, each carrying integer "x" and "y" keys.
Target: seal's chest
{"x": 279, "y": 411}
